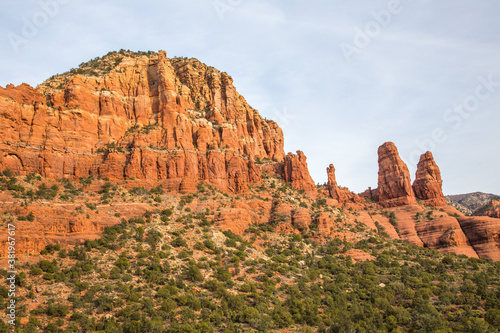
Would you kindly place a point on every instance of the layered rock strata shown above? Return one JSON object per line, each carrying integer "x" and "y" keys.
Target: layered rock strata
{"x": 428, "y": 182}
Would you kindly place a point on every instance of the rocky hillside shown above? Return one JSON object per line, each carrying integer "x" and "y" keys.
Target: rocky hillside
{"x": 172, "y": 271}
{"x": 469, "y": 203}
{"x": 491, "y": 209}
{"x": 458, "y": 206}
{"x": 105, "y": 258}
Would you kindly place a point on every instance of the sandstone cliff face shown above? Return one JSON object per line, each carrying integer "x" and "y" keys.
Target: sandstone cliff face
{"x": 237, "y": 220}
{"x": 296, "y": 172}
{"x": 483, "y": 234}
{"x": 428, "y": 182}
{"x": 394, "y": 184}
{"x": 342, "y": 195}
{"x": 145, "y": 117}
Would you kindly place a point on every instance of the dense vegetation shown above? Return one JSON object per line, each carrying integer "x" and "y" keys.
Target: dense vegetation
{"x": 171, "y": 270}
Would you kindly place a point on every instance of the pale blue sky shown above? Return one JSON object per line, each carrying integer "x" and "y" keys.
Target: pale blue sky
{"x": 340, "y": 77}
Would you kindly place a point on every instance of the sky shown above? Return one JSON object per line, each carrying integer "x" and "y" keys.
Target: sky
{"x": 341, "y": 78}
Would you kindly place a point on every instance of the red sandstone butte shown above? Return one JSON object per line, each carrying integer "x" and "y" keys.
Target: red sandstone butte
{"x": 148, "y": 117}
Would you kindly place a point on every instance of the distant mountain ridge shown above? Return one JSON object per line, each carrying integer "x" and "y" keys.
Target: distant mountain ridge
{"x": 469, "y": 203}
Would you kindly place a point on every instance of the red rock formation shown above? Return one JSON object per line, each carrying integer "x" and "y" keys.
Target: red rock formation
{"x": 342, "y": 195}
{"x": 281, "y": 213}
{"x": 143, "y": 116}
{"x": 237, "y": 220}
{"x": 359, "y": 255}
{"x": 428, "y": 228}
{"x": 332, "y": 181}
{"x": 371, "y": 194}
{"x": 394, "y": 184}
{"x": 297, "y": 173}
{"x": 405, "y": 219}
{"x": 301, "y": 218}
{"x": 326, "y": 225}
{"x": 428, "y": 182}
{"x": 495, "y": 209}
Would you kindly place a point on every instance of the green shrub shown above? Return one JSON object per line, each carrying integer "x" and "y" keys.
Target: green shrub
{"x": 47, "y": 266}
{"x": 178, "y": 242}
{"x": 193, "y": 273}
